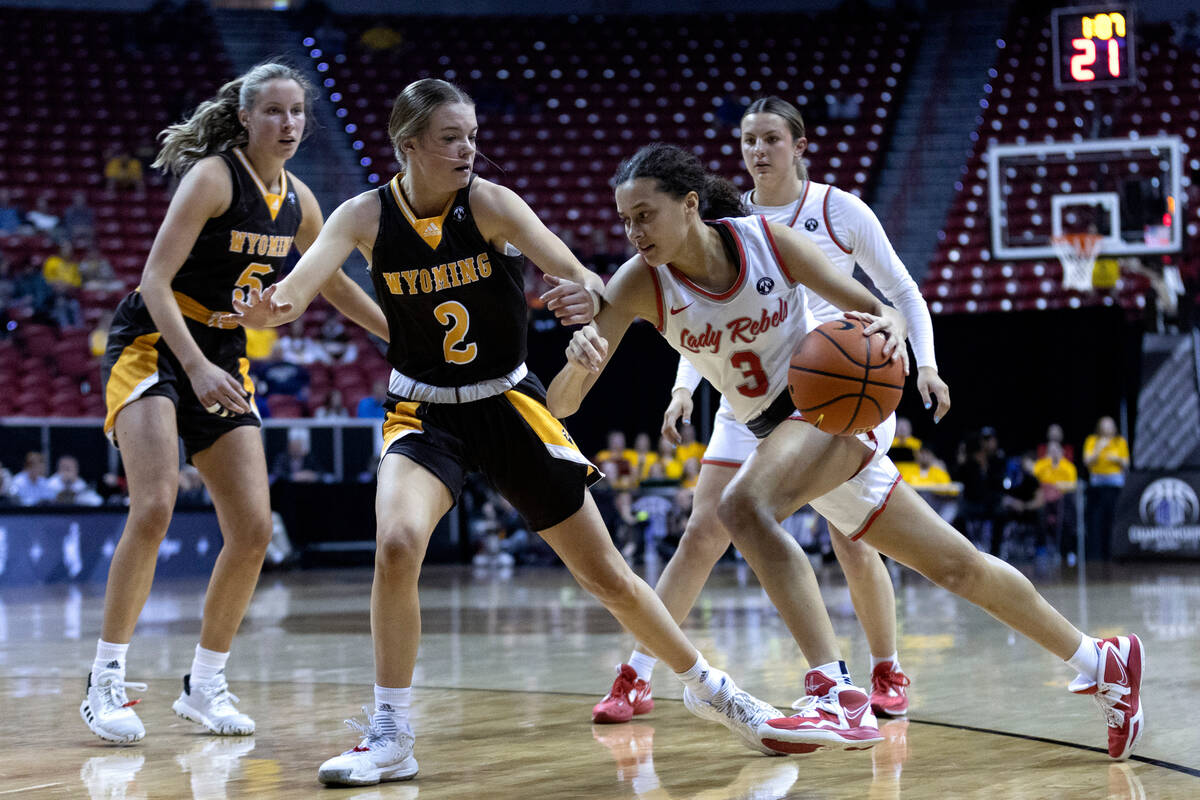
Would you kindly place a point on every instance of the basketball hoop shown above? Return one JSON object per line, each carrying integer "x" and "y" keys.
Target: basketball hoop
{"x": 1077, "y": 252}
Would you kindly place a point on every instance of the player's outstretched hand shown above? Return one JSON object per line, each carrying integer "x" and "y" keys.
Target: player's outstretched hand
{"x": 572, "y": 303}
{"x": 680, "y": 408}
{"x": 894, "y": 329}
{"x": 931, "y": 385}
{"x": 261, "y": 309}
{"x": 588, "y": 349}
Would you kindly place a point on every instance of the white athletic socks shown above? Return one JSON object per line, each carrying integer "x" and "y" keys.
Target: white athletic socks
{"x": 206, "y": 664}
{"x": 643, "y": 663}
{"x": 704, "y": 681}
{"x": 108, "y": 656}
{"x": 894, "y": 658}
{"x": 1086, "y": 660}
{"x": 393, "y": 704}
{"x": 836, "y": 671}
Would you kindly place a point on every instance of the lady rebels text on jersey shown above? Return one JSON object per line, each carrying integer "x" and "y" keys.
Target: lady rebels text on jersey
{"x": 742, "y": 339}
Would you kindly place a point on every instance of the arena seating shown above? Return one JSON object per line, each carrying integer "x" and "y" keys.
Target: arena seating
{"x": 561, "y": 100}
{"x": 1022, "y": 105}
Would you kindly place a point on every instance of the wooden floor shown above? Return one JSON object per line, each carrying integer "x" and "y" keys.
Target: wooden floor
{"x": 512, "y": 662}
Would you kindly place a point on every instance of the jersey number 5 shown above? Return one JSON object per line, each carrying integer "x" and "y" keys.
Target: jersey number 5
{"x": 249, "y": 280}
{"x": 455, "y": 315}
{"x": 752, "y": 370}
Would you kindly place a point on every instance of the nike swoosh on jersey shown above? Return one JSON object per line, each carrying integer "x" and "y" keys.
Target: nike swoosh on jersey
{"x": 675, "y": 311}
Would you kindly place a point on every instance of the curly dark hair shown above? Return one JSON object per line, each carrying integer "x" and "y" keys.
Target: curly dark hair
{"x": 679, "y": 172}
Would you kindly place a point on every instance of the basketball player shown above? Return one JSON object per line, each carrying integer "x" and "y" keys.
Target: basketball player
{"x": 773, "y": 142}
{"x": 727, "y": 295}
{"x": 173, "y": 368}
{"x": 445, "y": 253}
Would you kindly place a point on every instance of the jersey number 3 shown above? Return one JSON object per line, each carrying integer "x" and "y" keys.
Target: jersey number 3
{"x": 752, "y": 370}
{"x": 455, "y": 315}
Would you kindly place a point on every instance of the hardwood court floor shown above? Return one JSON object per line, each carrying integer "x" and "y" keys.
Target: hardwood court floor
{"x": 511, "y": 663}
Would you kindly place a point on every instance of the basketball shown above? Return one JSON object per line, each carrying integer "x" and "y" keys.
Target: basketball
{"x": 841, "y": 381}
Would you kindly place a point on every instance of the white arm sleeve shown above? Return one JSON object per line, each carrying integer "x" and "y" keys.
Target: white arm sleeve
{"x": 858, "y": 228}
{"x": 686, "y": 377}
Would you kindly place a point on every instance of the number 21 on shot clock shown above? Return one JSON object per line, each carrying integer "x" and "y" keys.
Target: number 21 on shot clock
{"x": 1093, "y": 46}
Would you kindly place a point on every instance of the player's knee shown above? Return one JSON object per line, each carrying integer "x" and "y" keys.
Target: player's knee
{"x": 399, "y": 549}
{"x": 252, "y": 535}
{"x": 959, "y": 573}
{"x": 738, "y": 508}
{"x": 149, "y": 517}
{"x": 611, "y": 585}
{"x": 704, "y": 537}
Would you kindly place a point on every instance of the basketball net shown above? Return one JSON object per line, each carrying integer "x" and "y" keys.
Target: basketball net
{"x": 1077, "y": 252}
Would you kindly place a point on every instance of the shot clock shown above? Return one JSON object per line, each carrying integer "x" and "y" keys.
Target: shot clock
{"x": 1093, "y": 46}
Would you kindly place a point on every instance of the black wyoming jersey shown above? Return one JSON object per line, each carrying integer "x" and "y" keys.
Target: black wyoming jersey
{"x": 244, "y": 247}
{"x": 455, "y": 306}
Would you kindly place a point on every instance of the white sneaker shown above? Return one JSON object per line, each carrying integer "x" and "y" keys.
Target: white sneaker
{"x": 213, "y": 762}
{"x": 211, "y": 704}
{"x": 739, "y": 711}
{"x": 384, "y": 754}
{"x": 108, "y": 711}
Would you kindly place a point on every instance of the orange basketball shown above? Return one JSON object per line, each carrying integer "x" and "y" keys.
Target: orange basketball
{"x": 840, "y": 379}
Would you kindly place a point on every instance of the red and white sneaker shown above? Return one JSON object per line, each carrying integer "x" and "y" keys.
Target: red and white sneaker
{"x": 628, "y": 697}
{"x": 832, "y": 715}
{"x": 1118, "y": 688}
{"x": 889, "y": 694}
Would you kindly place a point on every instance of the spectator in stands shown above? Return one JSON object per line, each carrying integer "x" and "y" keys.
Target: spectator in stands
{"x": 1054, "y": 433}
{"x": 41, "y": 219}
{"x": 617, "y": 450}
{"x": 98, "y": 338}
{"x": 334, "y": 406}
{"x": 1106, "y": 455}
{"x": 296, "y": 348}
{"x": 688, "y": 448}
{"x": 618, "y": 474}
{"x": 65, "y": 487}
{"x": 643, "y": 456}
{"x": 668, "y": 460}
{"x": 61, "y": 270}
{"x": 980, "y": 469}
{"x": 297, "y": 463}
{"x": 31, "y": 290}
{"x": 1022, "y": 504}
{"x": 904, "y": 445}
{"x": 340, "y": 348}
{"x": 97, "y": 273}
{"x": 925, "y": 472}
{"x": 6, "y": 491}
{"x": 691, "y": 473}
{"x": 11, "y": 217}
{"x": 1059, "y": 479}
{"x": 28, "y": 486}
{"x": 374, "y": 405}
{"x": 123, "y": 172}
{"x": 78, "y": 219}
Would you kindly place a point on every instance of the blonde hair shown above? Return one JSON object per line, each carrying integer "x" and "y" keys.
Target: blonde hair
{"x": 790, "y": 114}
{"x": 214, "y": 125}
{"x": 415, "y": 106}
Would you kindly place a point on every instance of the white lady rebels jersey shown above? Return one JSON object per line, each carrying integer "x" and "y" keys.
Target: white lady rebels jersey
{"x": 742, "y": 339}
{"x": 847, "y": 231}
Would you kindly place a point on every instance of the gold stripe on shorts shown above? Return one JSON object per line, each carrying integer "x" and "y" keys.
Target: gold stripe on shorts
{"x": 548, "y": 428}
{"x": 130, "y": 376}
{"x": 400, "y": 420}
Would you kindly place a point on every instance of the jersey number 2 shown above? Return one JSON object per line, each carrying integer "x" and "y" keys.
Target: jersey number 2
{"x": 752, "y": 370}
{"x": 455, "y": 315}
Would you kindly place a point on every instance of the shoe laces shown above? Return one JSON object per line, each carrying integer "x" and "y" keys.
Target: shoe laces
{"x": 112, "y": 686}
{"x": 1111, "y": 697}
{"x": 811, "y": 702}
{"x": 622, "y": 685}
{"x": 885, "y": 680}
{"x": 380, "y": 729}
{"x": 218, "y": 694}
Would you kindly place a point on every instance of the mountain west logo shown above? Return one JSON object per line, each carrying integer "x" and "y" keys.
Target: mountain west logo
{"x": 1170, "y": 503}
{"x": 460, "y": 213}
{"x": 810, "y": 224}
{"x": 764, "y": 285}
